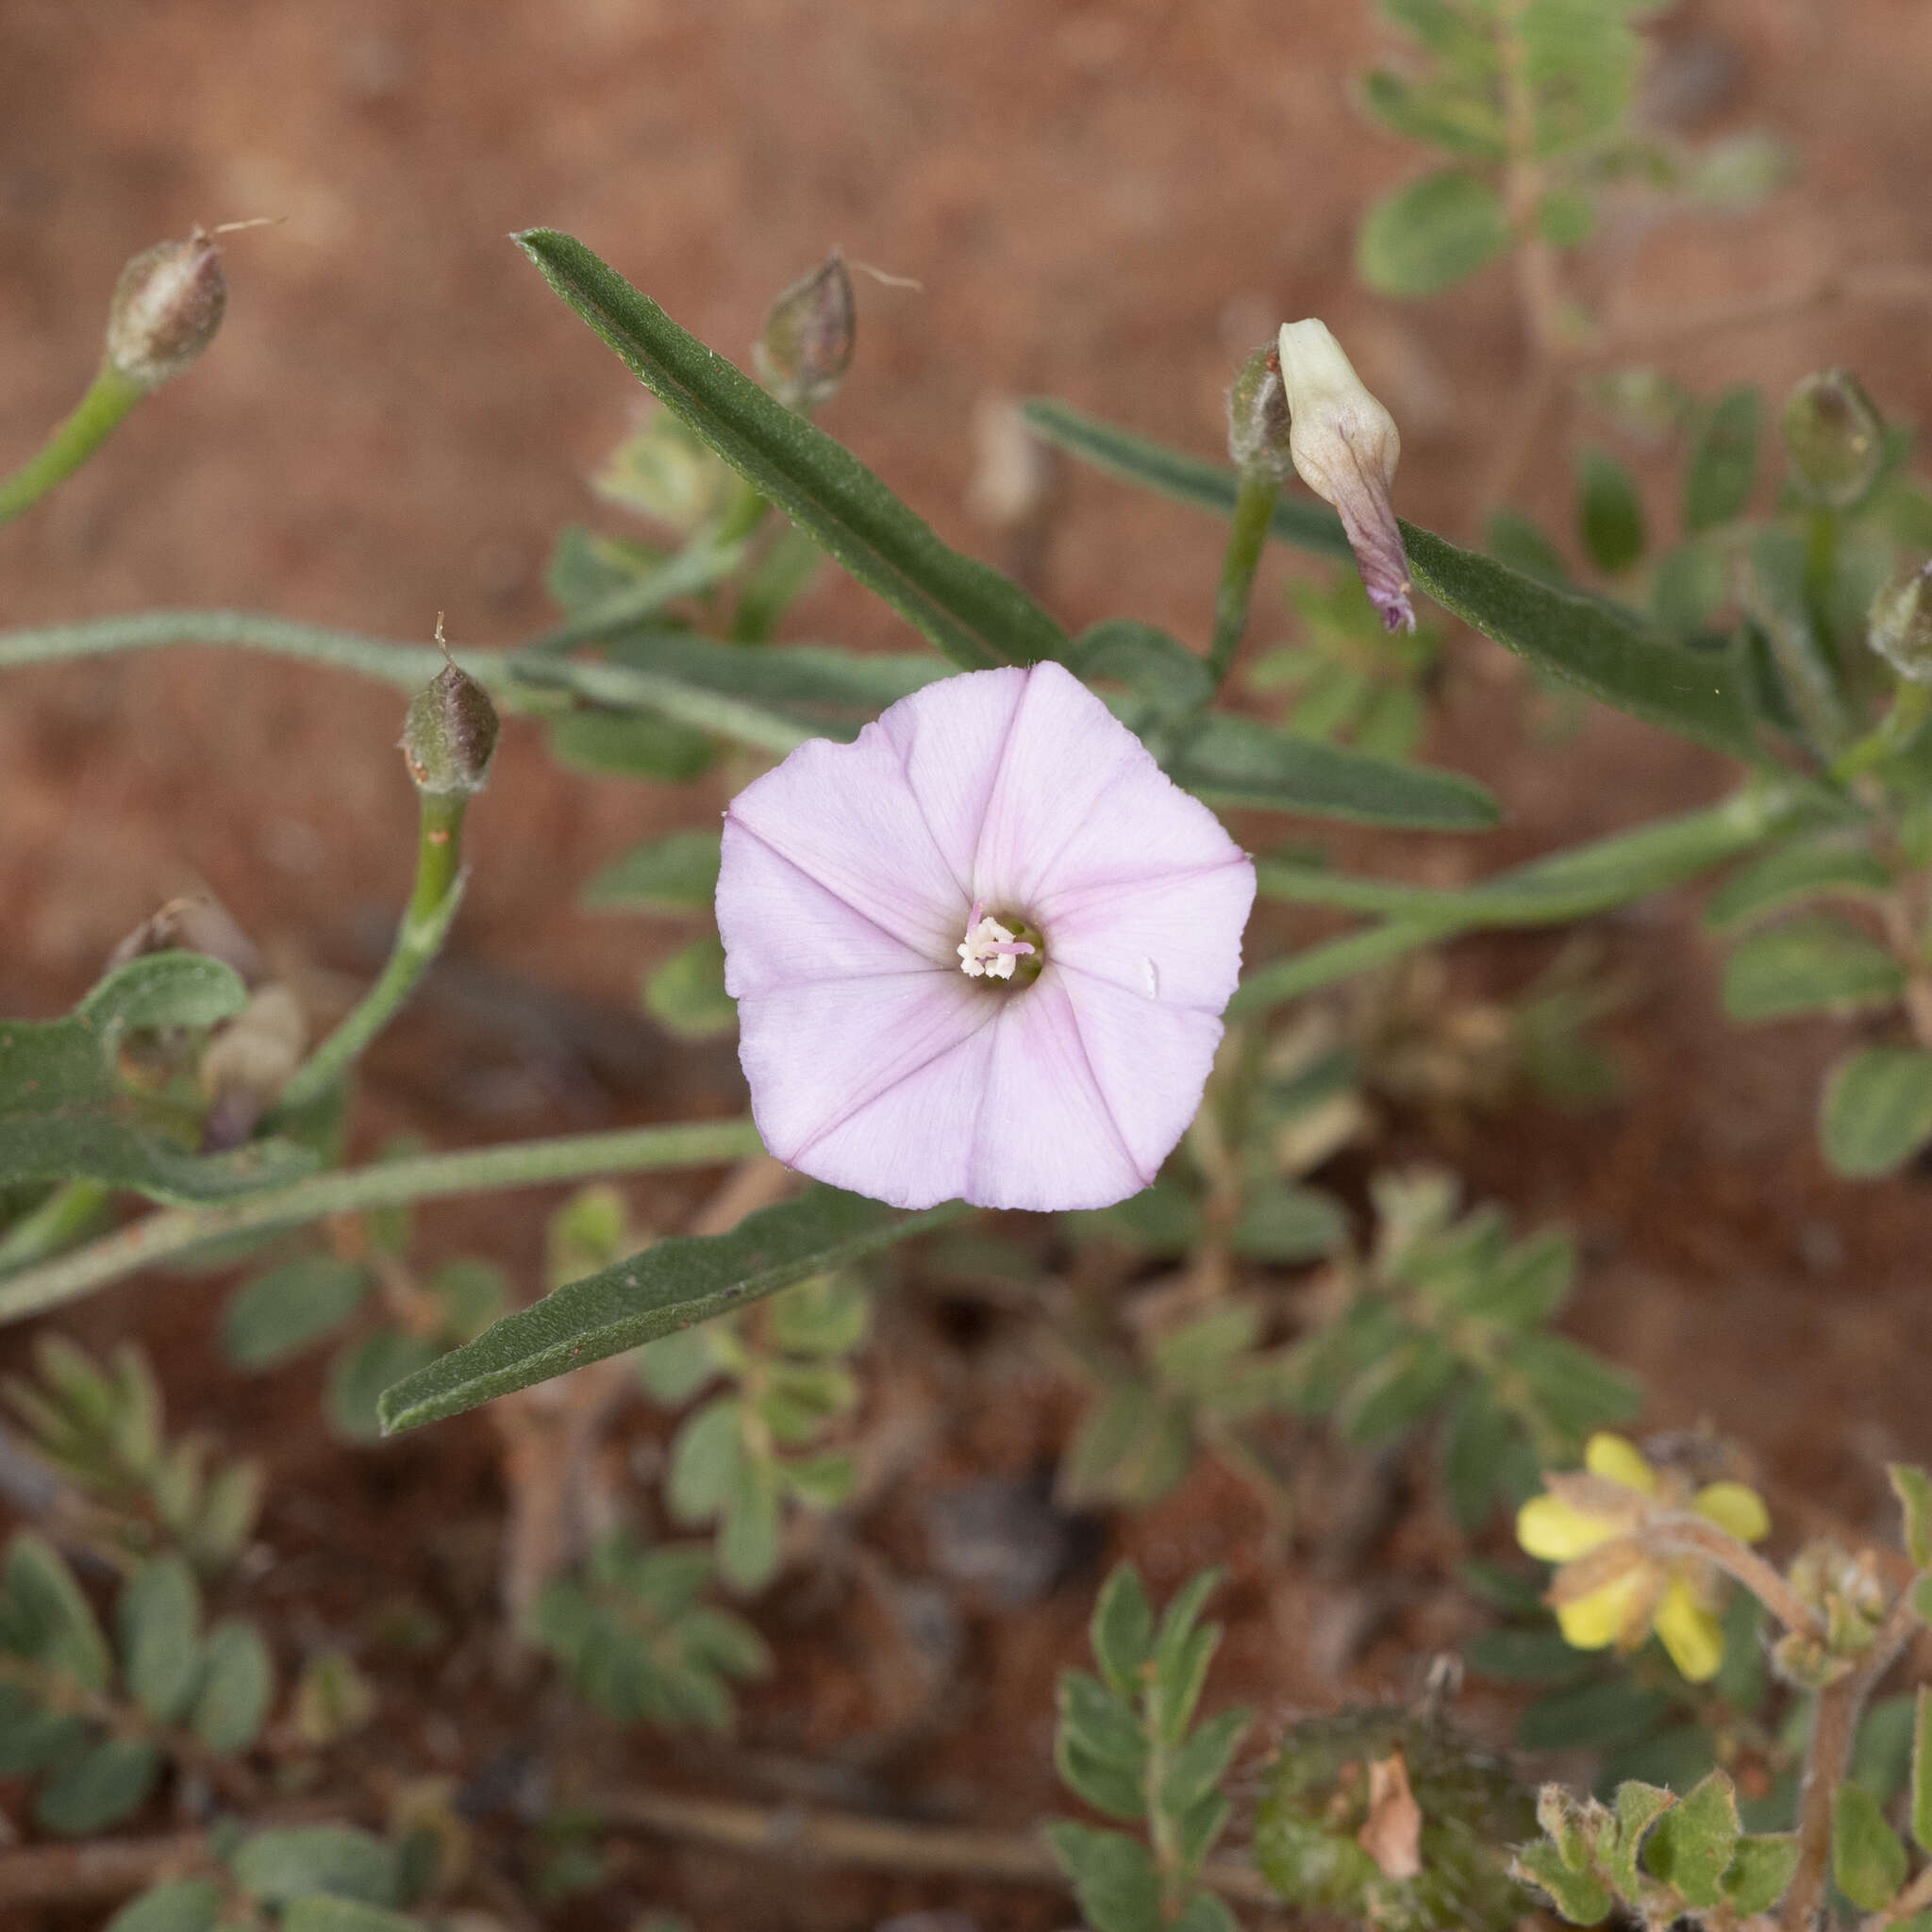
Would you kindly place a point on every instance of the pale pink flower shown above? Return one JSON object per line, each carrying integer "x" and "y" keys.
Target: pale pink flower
{"x": 982, "y": 951}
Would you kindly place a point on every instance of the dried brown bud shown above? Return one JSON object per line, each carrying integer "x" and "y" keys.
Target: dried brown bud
{"x": 166, "y": 309}
{"x": 1258, "y": 417}
{"x": 1835, "y": 438}
{"x": 807, "y": 346}
{"x": 248, "y": 1063}
{"x": 450, "y": 733}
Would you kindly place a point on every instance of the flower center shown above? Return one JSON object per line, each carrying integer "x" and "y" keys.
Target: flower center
{"x": 994, "y": 946}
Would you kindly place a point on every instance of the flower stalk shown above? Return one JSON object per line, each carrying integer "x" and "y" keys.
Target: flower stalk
{"x": 1247, "y": 535}
{"x": 95, "y": 418}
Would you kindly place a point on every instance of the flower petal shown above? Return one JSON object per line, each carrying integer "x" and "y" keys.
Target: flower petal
{"x": 1170, "y": 942}
{"x": 1619, "y": 1460}
{"x": 1734, "y": 1507}
{"x": 950, "y": 736}
{"x": 1045, "y": 1137}
{"x": 871, "y": 1085}
{"x": 1064, "y": 749}
{"x": 1548, "y": 1527}
{"x": 1693, "y": 1637}
{"x": 845, "y": 817}
{"x": 781, "y": 928}
{"x": 1150, "y": 1060}
{"x": 1618, "y": 1613}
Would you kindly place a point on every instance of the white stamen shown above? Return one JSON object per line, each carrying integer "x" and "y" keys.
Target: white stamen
{"x": 988, "y": 950}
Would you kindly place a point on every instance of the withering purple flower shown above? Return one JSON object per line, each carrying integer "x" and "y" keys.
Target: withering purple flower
{"x": 982, "y": 951}
{"x": 1345, "y": 444}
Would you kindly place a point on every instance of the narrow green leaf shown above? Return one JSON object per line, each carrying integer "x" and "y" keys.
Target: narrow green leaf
{"x": 1876, "y": 1111}
{"x": 279, "y": 1313}
{"x": 1182, "y": 479}
{"x": 1161, "y": 669}
{"x": 969, "y": 611}
{"x": 1815, "y": 963}
{"x": 1240, "y": 761}
{"x": 631, "y": 744}
{"x": 1694, "y": 1844}
{"x": 1610, "y": 511}
{"x": 64, "y": 1114}
{"x": 672, "y": 1285}
{"x": 772, "y": 699}
{"x": 1790, "y": 875}
{"x": 677, "y": 873}
{"x": 1717, "y": 485}
{"x": 1610, "y": 652}
{"x": 686, "y": 992}
{"x": 1122, "y": 1632}
{"x": 1868, "y": 1858}
{"x": 159, "y": 1618}
{"x": 1430, "y": 233}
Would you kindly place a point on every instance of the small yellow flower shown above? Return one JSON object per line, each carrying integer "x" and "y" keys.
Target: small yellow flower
{"x": 1608, "y": 1589}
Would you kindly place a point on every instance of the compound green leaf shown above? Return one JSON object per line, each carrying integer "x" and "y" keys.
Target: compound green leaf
{"x": 1814, "y": 964}
{"x": 279, "y": 1313}
{"x": 1430, "y": 233}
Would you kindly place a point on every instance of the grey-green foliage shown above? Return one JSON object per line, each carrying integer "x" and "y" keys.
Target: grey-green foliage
{"x": 103, "y": 1428}
{"x": 1447, "y": 1317}
{"x": 1127, "y": 1743}
{"x": 1443, "y": 1809}
{"x": 309, "y": 1878}
{"x": 1549, "y": 85}
{"x": 1663, "y": 1858}
{"x": 742, "y": 1457}
{"x": 93, "y": 1722}
{"x": 71, "y": 1105}
{"x": 640, "y": 1641}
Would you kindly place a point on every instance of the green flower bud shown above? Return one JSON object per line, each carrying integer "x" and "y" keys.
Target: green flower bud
{"x": 1899, "y": 626}
{"x": 450, "y": 733}
{"x": 1322, "y": 1837}
{"x": 1257, "y": 424}
{"x": 166, "y": 309}
{"x": 807, "y": 346}
{"x": 1835, "y": 438}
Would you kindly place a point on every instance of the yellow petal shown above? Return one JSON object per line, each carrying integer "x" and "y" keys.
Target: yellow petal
{"x": 1619, "y": 1458}
{"x": 1617, "y": 1614}
{"x": 1735, "y": 1507}
{"x": 1693, "y": 1637}
{"x": 1549, "y": 1528}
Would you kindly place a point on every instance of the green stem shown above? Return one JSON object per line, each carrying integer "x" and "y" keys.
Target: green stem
{"x": 409, "y": 667}
{"x": 1911, "y": 705}
{"x": 419, "y": 939}
{"x": 95, "y": 418}
{"x": 1254, "y": 509}
{"x": 60, "y": 1221}
{"x": 387, "y": 1183}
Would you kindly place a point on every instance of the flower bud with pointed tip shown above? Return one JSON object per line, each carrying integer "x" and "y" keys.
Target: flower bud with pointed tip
{"x": 1899, "y": 626}
{"x": 1258, "y": 418}
{"x": 807, "y": 346}
{"x": 1835, "y": 438}
{"x": 166, "y": 309}
{"x": 450, "y": 735}
{"x": 1345, "y": 445}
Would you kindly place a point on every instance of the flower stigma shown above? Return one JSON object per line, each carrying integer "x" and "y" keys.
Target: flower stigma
{"x": 990, "y": 950}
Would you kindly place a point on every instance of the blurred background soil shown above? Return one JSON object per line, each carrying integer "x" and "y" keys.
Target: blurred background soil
{"x": 1107, "y": 201}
